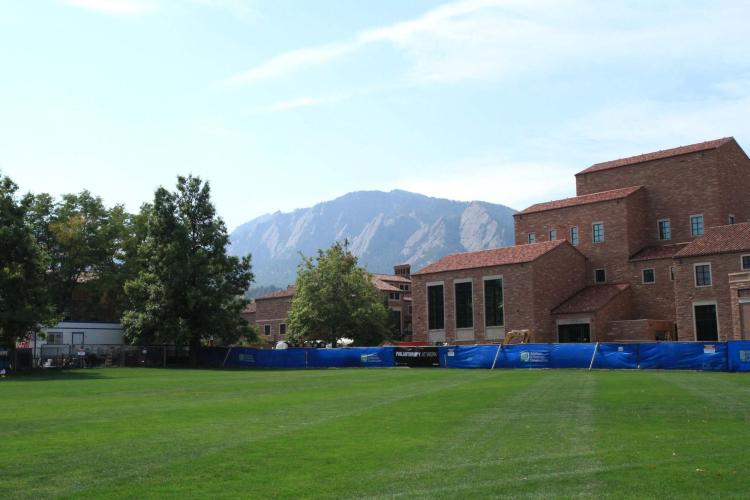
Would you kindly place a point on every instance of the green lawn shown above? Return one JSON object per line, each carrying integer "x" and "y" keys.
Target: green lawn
{"x": 374, "y": 433}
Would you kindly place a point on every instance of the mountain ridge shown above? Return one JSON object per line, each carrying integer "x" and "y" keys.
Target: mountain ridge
{"x": 383, "y": 229}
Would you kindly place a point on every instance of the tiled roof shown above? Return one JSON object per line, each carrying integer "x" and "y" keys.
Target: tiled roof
{"x": 658, "y": 155}
{"x": 658, "y": 252}
{"x": 287, "y": 292}
{"x": 249, "y": 309}
{"x": 494, "y": 257}
{"x": 392, "y": 277}
{"x": 591, "y": 299}
{"x": 382, "y": 285}
{"x": 719, "y": 239}
{"x": 613, "y": 194}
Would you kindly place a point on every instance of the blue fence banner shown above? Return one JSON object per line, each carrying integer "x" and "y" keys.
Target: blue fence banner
{"x": 706, "y": 356}
{"x": 738, "y": 355}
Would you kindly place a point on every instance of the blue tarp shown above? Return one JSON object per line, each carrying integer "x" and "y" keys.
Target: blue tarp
{"x": 738, "y": 355}
{"x": 707, "y": 356}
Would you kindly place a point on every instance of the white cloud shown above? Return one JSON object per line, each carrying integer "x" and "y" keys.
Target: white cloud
{"x": 512, "y": 183}
{"x": 112, "y": 7}
{"x": 495, "y": 39}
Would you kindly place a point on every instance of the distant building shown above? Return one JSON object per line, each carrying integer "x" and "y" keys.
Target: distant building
{"x": 270, "y": 313}
{"x": 653, "y": 247}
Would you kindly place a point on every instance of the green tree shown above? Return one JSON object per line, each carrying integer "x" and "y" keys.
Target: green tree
{"x": 188, "y": 289}
{"x": 83, "y": 241}
{"x": 335, "y": 298}
{"x": 24, "y": 302}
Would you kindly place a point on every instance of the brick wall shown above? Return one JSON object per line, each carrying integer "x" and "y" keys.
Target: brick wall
{"x": 553, "y": 278}
{"x": 611, "y": 254}
{"x": 654, "y": 300}
{"x": 686, "y": 293}
{"x": 735, "y": 182}
{"x": 271, "y": 311}
{"x": 676, "y": 188}
{"x": 645, "y": 330}
{"x": 557, "y": 276}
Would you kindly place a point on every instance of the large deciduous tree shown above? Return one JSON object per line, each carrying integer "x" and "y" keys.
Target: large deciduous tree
{"x": 188, "y": 289}
{"x": 24, "y": 301}
{"x": 334, "y": 299}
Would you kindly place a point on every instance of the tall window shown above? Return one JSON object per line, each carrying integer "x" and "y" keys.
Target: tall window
{"x": 696, "y": 225}
{"x": 703, "y": 275}
{"x": 597, "y": 231}
{"x": 671, "y": 273}
{"x": 574, "y": 236}
{"x": 494, "y": 315}
{"x": 464, "y": 309}
{"x": 745, "y": 262}
{"x": 435, "y": 319}
{"x": 532, "y": 238}
{"x": 282, "y": 329}
{"x": 267, "y": 330}
{"x": 552, "y": 234}
{"x": 732, "y": 219}
{"x": 665, "y": 229}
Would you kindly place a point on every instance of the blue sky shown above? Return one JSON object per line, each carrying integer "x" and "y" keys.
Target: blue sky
{"x": 282, "y": 104}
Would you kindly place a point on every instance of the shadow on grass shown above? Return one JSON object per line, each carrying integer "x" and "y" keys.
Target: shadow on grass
{"x": 55, "y": 374}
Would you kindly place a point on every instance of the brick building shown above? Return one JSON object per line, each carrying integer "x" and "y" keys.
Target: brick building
{"x": 640, "y": 234}
{"x": 270, "y": 313}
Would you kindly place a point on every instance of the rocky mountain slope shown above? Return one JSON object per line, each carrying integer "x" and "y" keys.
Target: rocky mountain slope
{"x": 383, "y": 229}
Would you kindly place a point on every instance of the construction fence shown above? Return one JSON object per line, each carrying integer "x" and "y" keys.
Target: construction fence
{"x": 96, "y": 355}
{"x": 713, "y": 356}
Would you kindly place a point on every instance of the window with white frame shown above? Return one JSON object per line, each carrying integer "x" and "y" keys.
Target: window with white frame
{"x": 574, "y": 236}
{"x": 665, "y": 229}
{"x": 282, "y": 329}
{"x": 671, "y": 273}
{"x": 696, "y": 225}
{"x": 532, "y": 238}
{"x": 648, "y": 276}
{"x": 597, "y": 232}
{"x": 600, "y": 276}
{"x": 552, "y": 234}
{"x": 745, "y": 262}
{"x": 267, "y": 330}
{"x": 702, "y": 275}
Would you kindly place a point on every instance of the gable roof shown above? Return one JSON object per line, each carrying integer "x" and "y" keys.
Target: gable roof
{"x": 287, "y": 292}
{"x": 658, "y": 155}
{"x": 658, "y": 252}
{"x": 392, "y": 277}
{"x": 382, "y": 285}
{"x": 612, "y": 194}
{"x": 719, "y": 239}
{"x": 591, "y": 299}
{"x": 494, "y": 257}
{"x": 250, "y": 308}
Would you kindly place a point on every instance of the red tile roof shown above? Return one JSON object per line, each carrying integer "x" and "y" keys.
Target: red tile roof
{"x": 382, "y": 285}
{"x": 591, "y": 299}
{"x": 392, "y": 277}
{"x": 287, "y": 292}
{"x": 613, "y": 194}
{"x": 658, "y": 252}
{"x": 249, "y": 309}
{"x": 658, "y": 155}
{"x": 719, "y": 239}
{"x": 495, "y": 257}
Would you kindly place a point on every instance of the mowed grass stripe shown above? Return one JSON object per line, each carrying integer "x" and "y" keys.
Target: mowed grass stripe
{"x": 136, "y": 433}
{"x": 658, "y": 429}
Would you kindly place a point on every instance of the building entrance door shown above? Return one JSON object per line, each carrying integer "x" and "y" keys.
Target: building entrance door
{"x": 579, "y": 332}
{"x": 706, "y": 325}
